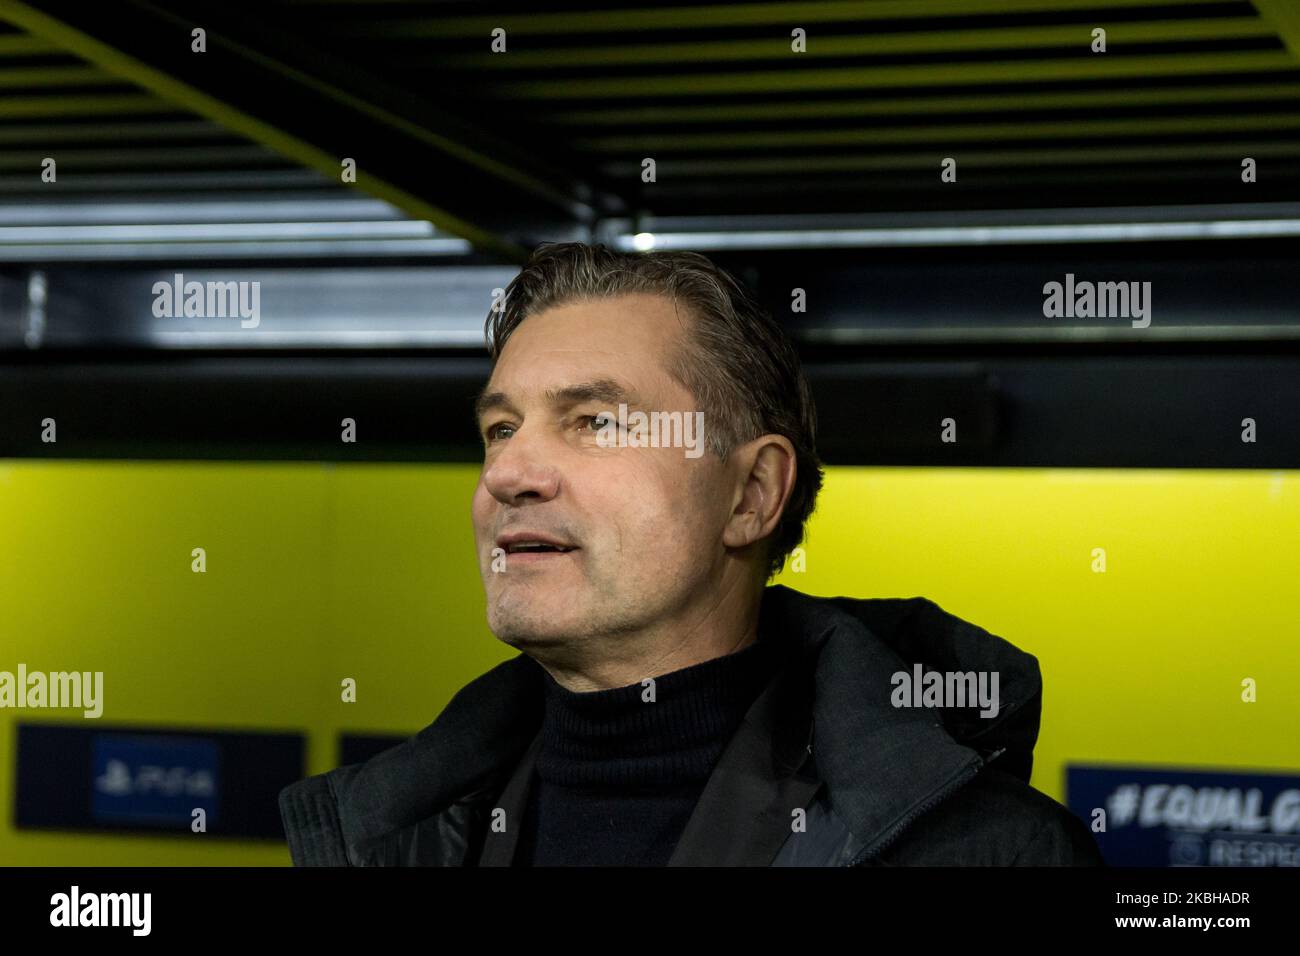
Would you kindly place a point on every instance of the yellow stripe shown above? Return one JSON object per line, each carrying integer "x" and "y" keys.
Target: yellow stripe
{"x": 85, "y": 104}
{"x": 45, "y": 133}
{"x": 799, "y": 165}
{"x": 1093, "y": 67}
{"x": 186, "y": 156}
{"x": 902, "y": 106}
{"x": 1283, "y": 16}
{"x": 293, "y": 147}
{"x": 1131, "y": 126}
{"x": 22, "y": 44}
{"x": 946, "y": 41}
{"x": 43, "y": 76}
{"x": 786, "y": 15}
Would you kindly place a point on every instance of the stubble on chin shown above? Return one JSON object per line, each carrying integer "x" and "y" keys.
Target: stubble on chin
{"x": 522, "y": 627}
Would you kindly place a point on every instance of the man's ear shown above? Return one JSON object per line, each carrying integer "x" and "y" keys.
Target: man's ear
{"x": 765, "y": 470}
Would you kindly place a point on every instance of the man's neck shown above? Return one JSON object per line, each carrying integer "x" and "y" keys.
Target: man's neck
{"x": 726, "y": 624}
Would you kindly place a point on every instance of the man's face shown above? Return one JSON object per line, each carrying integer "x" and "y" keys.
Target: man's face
{"x": 644, "y": 524}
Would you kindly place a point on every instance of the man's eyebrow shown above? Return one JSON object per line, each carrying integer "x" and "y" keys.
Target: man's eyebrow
{"x": 487, "y": 401}
{"x": 605, "y": 390}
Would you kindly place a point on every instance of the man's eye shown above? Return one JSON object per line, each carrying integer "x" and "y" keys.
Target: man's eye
{"x": 597, "y": 421}
{"x": 494, "y": 431}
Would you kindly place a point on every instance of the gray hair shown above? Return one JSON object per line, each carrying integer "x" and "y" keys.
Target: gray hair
{"x": 741, "y": 367}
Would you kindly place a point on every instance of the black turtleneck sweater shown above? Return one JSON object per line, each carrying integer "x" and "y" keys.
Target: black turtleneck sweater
{"x": 617, "y": 776}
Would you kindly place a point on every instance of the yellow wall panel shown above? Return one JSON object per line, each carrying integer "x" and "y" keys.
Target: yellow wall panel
{"x": 318, "y": 572}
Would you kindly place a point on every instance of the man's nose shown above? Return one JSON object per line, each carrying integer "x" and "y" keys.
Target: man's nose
{"x": 524, "y": 467}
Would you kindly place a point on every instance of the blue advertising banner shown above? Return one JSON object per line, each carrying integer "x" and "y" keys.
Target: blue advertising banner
{"x": 1178, "y": 817}
{"x": 154, "y": 779}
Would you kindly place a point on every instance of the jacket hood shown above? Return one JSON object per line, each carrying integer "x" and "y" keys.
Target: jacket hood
{"x": 882, "y": 764}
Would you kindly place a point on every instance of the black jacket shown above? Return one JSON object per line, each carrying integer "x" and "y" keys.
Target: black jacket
{"x": 877, "y": 784}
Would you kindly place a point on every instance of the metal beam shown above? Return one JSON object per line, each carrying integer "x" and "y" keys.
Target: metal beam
{"x": 84, "y": 104}
{"x": 802, "y": 165}
{"x": 672, "y": 17}
{"x": 666, "y": 144}
{"x": 1065, "y": 406}
{"x": 1284, "y": 17}
{"x": 918, "y": 75}
{"x": 777, "y": 48}
{"x": 315, "y": 109}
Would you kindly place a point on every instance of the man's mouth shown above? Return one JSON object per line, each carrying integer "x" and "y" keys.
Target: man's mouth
{"x": 536, "y": 547}
{"x": 533, "y": 544}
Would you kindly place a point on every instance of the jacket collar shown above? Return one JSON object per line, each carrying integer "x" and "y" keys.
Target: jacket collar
{"x": 829, "y": 720}
{"x": 884, "y": 765}
{"x": 881, "y": 766}
{"x": 466, "y": 754}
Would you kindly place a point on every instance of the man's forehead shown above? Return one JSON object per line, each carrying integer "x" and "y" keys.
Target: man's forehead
{"x": 613, "y": 348}
{"x": 606, "y": 389}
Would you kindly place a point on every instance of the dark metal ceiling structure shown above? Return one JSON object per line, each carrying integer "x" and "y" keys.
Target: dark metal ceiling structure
{"x": 800, "y": 144}
{"x": 549, "y": 137}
